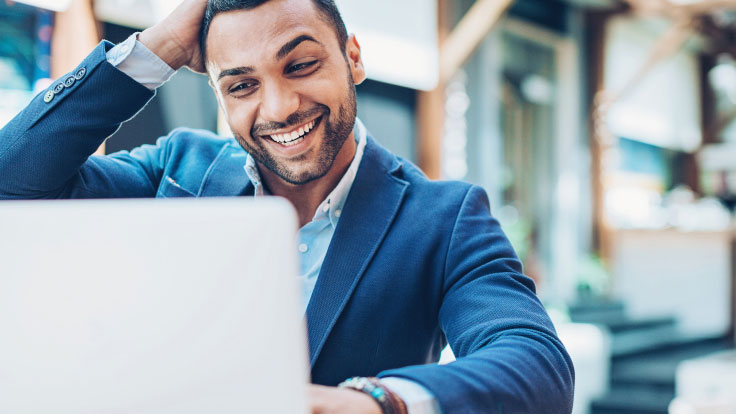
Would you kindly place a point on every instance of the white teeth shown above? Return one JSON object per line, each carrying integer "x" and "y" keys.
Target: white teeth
{"x": 291, "y": 138}
{"x": 290, "y": 143}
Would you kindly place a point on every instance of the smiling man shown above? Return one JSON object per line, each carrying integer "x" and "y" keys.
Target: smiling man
{"x": 290, "y": 103}
{"x": 394, "y": 266}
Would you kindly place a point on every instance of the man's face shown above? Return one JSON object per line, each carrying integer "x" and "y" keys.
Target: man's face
{"x": 285, "y": 86}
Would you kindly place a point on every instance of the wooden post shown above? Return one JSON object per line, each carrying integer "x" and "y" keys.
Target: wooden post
{"x": 75, "y": 35}
{"x": 430, "y": 111}
{"x": 468, "y": 35}
{"x": 456, "y": 47}
{"x": 596, "y": 27}
{"x": 430, "y": 118}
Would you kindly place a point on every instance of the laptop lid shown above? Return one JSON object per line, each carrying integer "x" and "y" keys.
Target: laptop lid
{"x": 150, "y": 306}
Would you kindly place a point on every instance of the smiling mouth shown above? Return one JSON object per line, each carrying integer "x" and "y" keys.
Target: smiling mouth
{"x": 296, "y": 136}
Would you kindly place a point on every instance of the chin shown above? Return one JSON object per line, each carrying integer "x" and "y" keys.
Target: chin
{"x": 300, "y": 177}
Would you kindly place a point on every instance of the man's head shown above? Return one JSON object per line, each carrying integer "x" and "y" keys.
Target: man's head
{"x": 327, "y": 9}
{"x": 284, "y": 73}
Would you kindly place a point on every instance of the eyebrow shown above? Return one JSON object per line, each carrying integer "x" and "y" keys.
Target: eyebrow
{"x": 243, "y": 70}
{"x": 292, "y": 44}
{"x": 285, "y": 50}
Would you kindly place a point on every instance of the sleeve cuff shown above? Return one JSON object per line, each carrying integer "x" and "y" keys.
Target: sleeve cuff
{"x": 137, "y": 61}
{"x": 417, "y": 398}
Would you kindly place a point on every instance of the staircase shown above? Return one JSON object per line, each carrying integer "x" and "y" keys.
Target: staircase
{"x": 645, "y": 354}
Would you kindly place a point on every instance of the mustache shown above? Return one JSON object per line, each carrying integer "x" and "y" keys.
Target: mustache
{"x": 293, "y": 120}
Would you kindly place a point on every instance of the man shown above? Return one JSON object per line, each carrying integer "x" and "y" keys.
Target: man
{"x": 393, "y": 266}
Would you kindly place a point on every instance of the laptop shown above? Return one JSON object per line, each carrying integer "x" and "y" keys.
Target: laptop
{"x": 150, "y": 306}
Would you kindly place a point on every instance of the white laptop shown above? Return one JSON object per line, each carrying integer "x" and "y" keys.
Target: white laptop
{"x": 150, "y": 306}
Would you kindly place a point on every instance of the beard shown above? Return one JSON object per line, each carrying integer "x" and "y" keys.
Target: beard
{"x": 336, "y": 132}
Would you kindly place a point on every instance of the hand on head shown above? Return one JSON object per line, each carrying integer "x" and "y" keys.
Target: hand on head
{"x": 176, "y": 38}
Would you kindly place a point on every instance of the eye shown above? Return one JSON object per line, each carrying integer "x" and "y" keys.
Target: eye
{"x": 242, "y": 88}
{"x": 301, "y": 67}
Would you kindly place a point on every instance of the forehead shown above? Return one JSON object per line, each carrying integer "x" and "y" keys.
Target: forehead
{"x": 261, "y": 31}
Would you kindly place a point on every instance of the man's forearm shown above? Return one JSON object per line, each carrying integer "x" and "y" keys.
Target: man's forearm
{"x": 43, "y": 148}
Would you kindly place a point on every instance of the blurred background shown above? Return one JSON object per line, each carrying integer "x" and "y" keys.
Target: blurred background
{"x": 604, "y": 132}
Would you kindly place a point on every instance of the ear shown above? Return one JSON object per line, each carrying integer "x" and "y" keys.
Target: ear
{"x": 355, "y": 61}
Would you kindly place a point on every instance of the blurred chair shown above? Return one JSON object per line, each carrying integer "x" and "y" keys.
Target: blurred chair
{"x": 705, "y": 405}
{"x": 706, "y": 385}
{"x": 589, "y": 347}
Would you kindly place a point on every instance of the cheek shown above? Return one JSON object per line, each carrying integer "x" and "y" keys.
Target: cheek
{"x": 325, "y": 91}
{"x": 327, "y": 86}
{"x": 240, "y": 117}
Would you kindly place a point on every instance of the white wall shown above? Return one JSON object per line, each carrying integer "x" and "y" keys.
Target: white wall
{"x": 671, "y": 272}
{"x": 663, "y": 108}
{"x": 398, "y": 38}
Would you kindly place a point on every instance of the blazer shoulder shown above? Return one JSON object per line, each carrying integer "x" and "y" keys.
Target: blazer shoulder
{"x": 445, "y": 191}
{"x": 197, "y": 143}
{"x": 198, "y": 138}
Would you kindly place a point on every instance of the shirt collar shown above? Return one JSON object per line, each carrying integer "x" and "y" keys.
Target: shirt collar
{"x": 332, "y": 205}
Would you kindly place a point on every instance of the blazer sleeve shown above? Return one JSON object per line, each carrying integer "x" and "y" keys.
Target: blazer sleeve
{"x": 509, "y": 359}
{"x": 45, "y": 150}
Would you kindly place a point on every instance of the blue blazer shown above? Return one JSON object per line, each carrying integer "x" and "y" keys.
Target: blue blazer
{"x": 413, "y": 265}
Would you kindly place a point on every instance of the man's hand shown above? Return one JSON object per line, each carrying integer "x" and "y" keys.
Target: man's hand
{"x": 329, "y": 400}
{"x": 176, "y": 38}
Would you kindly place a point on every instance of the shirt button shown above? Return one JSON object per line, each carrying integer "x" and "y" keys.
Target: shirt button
{"x": 326, "y": 208}
{"x": 303, "y": 248}
{"x": 58, "y": 88}
{"x": 337, "y": 213}
{"x": 69, "y": 82}
{"x": 49, "y": 96}
{"x": 80, "y": 73}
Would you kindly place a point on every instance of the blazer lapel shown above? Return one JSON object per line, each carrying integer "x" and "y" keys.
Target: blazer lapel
{"x": 226, "y": 176}
{"x": 372, "y": 204}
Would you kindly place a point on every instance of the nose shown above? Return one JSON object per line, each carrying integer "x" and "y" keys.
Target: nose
{"x": 278, "y": 101}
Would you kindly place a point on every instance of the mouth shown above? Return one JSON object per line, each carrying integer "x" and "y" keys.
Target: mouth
{"x": 294, "y": 137}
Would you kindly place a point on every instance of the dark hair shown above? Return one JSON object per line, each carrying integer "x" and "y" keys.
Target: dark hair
{"x": 326, "y": 8}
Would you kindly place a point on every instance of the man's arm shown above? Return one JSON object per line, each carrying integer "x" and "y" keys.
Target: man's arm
{"x": 45, "y": 150}
{"x": 509, "y": 357}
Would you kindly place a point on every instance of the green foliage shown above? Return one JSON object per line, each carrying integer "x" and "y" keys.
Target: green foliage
{"x": 593, "y": 277}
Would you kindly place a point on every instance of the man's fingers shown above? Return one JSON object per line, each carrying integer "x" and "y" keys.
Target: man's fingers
{"x": 176, "y": 38}
{"x": 331, "y": 400}
{"x": 316, "y": 399}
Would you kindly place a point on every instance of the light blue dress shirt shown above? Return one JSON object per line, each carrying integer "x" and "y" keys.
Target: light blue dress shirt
{"x": 137, "y": 61}
{"x": 314, "y": 238}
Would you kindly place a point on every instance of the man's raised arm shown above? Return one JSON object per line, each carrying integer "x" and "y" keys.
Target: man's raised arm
{"x": 45, "y": 150}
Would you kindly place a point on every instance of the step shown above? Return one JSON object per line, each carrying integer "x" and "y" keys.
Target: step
{"x": 644, "y": 340}
{"x": 633, "y": 400}
{"x": 630, "y": 324}
{"x": 625, "y": 323}
{"x": 658, "y": 368}
{"x": 593, "y": 311}
{"x": 664, "y": 339}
